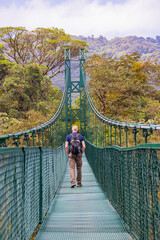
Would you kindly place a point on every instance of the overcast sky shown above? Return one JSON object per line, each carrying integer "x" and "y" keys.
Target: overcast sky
{"x": 110, "y": 18}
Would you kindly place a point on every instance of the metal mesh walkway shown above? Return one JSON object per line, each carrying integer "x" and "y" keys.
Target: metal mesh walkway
{"x": 82, "y": 213}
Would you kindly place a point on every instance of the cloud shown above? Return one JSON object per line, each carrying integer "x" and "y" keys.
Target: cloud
{"x": 87, "y": 17}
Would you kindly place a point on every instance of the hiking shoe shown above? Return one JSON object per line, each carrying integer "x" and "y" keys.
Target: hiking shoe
{"x": 79, "y": 185}
{"x": 72, "y": 186}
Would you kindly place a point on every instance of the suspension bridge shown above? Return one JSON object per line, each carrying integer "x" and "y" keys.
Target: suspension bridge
{"x": 120, "y": 194}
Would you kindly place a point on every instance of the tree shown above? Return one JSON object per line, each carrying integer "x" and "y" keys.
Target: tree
{"x": 122, "y": 88}
{"x": 25, "y": 89}
{"x": 5, "y": 65}
{"x": 12, "y": 125}
{"x": 43, "y": 46}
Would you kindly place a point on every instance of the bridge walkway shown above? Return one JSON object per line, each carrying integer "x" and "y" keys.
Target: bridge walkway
{"x": 82, "y": 213}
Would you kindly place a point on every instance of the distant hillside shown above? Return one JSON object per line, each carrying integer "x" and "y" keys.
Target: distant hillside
{"x": 117, "y": 47}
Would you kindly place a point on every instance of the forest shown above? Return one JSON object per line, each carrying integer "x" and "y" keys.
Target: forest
{"x": 28, "y": 62}
{"x": 125, "y": 89}
{"x": 124, "y": 85}
{"x": 117, "y": 47}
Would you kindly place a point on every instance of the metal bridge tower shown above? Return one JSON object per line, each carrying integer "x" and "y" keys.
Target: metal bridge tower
{"x": 75, "y": 114}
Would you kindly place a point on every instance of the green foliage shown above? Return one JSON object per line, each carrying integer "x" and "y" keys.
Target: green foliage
{"x": 122, "y": 88}
{"x": 148, "y": 48}
{"x": 25, "y": 93}
{"x": 11, "y": 125}
{"x": 5, "y": 65}
{"x": 28, "y": 60}
{"x": 43, "y": 46}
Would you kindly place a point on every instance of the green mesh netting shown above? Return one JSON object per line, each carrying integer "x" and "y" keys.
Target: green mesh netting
{"x": 130, "y": 180}
{"x": 29, "y": 178}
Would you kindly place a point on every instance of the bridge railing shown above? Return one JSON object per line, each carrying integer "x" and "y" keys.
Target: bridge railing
{"x": 104, "y": 131}
{"x": 29, "y": 179}
{"x": 129, "y": 178}
{"x": 30, "y": 175}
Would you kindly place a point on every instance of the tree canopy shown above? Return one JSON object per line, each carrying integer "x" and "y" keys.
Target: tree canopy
{"x": 43, "y": 46}
{"x": 26, "y": 95}
{"x": 125, "y": 89}
{"x": 28, "y": 60}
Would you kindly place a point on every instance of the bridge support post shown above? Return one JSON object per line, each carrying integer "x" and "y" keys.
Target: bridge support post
{"x": 74, "y": 114}
{"x": 68, "y": 88}
{"x": 82, "y": 95}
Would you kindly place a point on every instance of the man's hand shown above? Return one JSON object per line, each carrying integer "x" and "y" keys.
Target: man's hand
{"x": 83, "y": 146}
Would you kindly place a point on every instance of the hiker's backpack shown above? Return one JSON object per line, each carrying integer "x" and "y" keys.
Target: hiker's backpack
{"x": 75, "y": 144}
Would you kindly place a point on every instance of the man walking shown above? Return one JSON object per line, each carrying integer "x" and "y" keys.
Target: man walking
{"x": 75, "y": 146}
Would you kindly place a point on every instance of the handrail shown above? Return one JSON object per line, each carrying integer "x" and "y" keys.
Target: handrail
{"x": 127, "y": 176}
{"x": 115, "y": 122}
